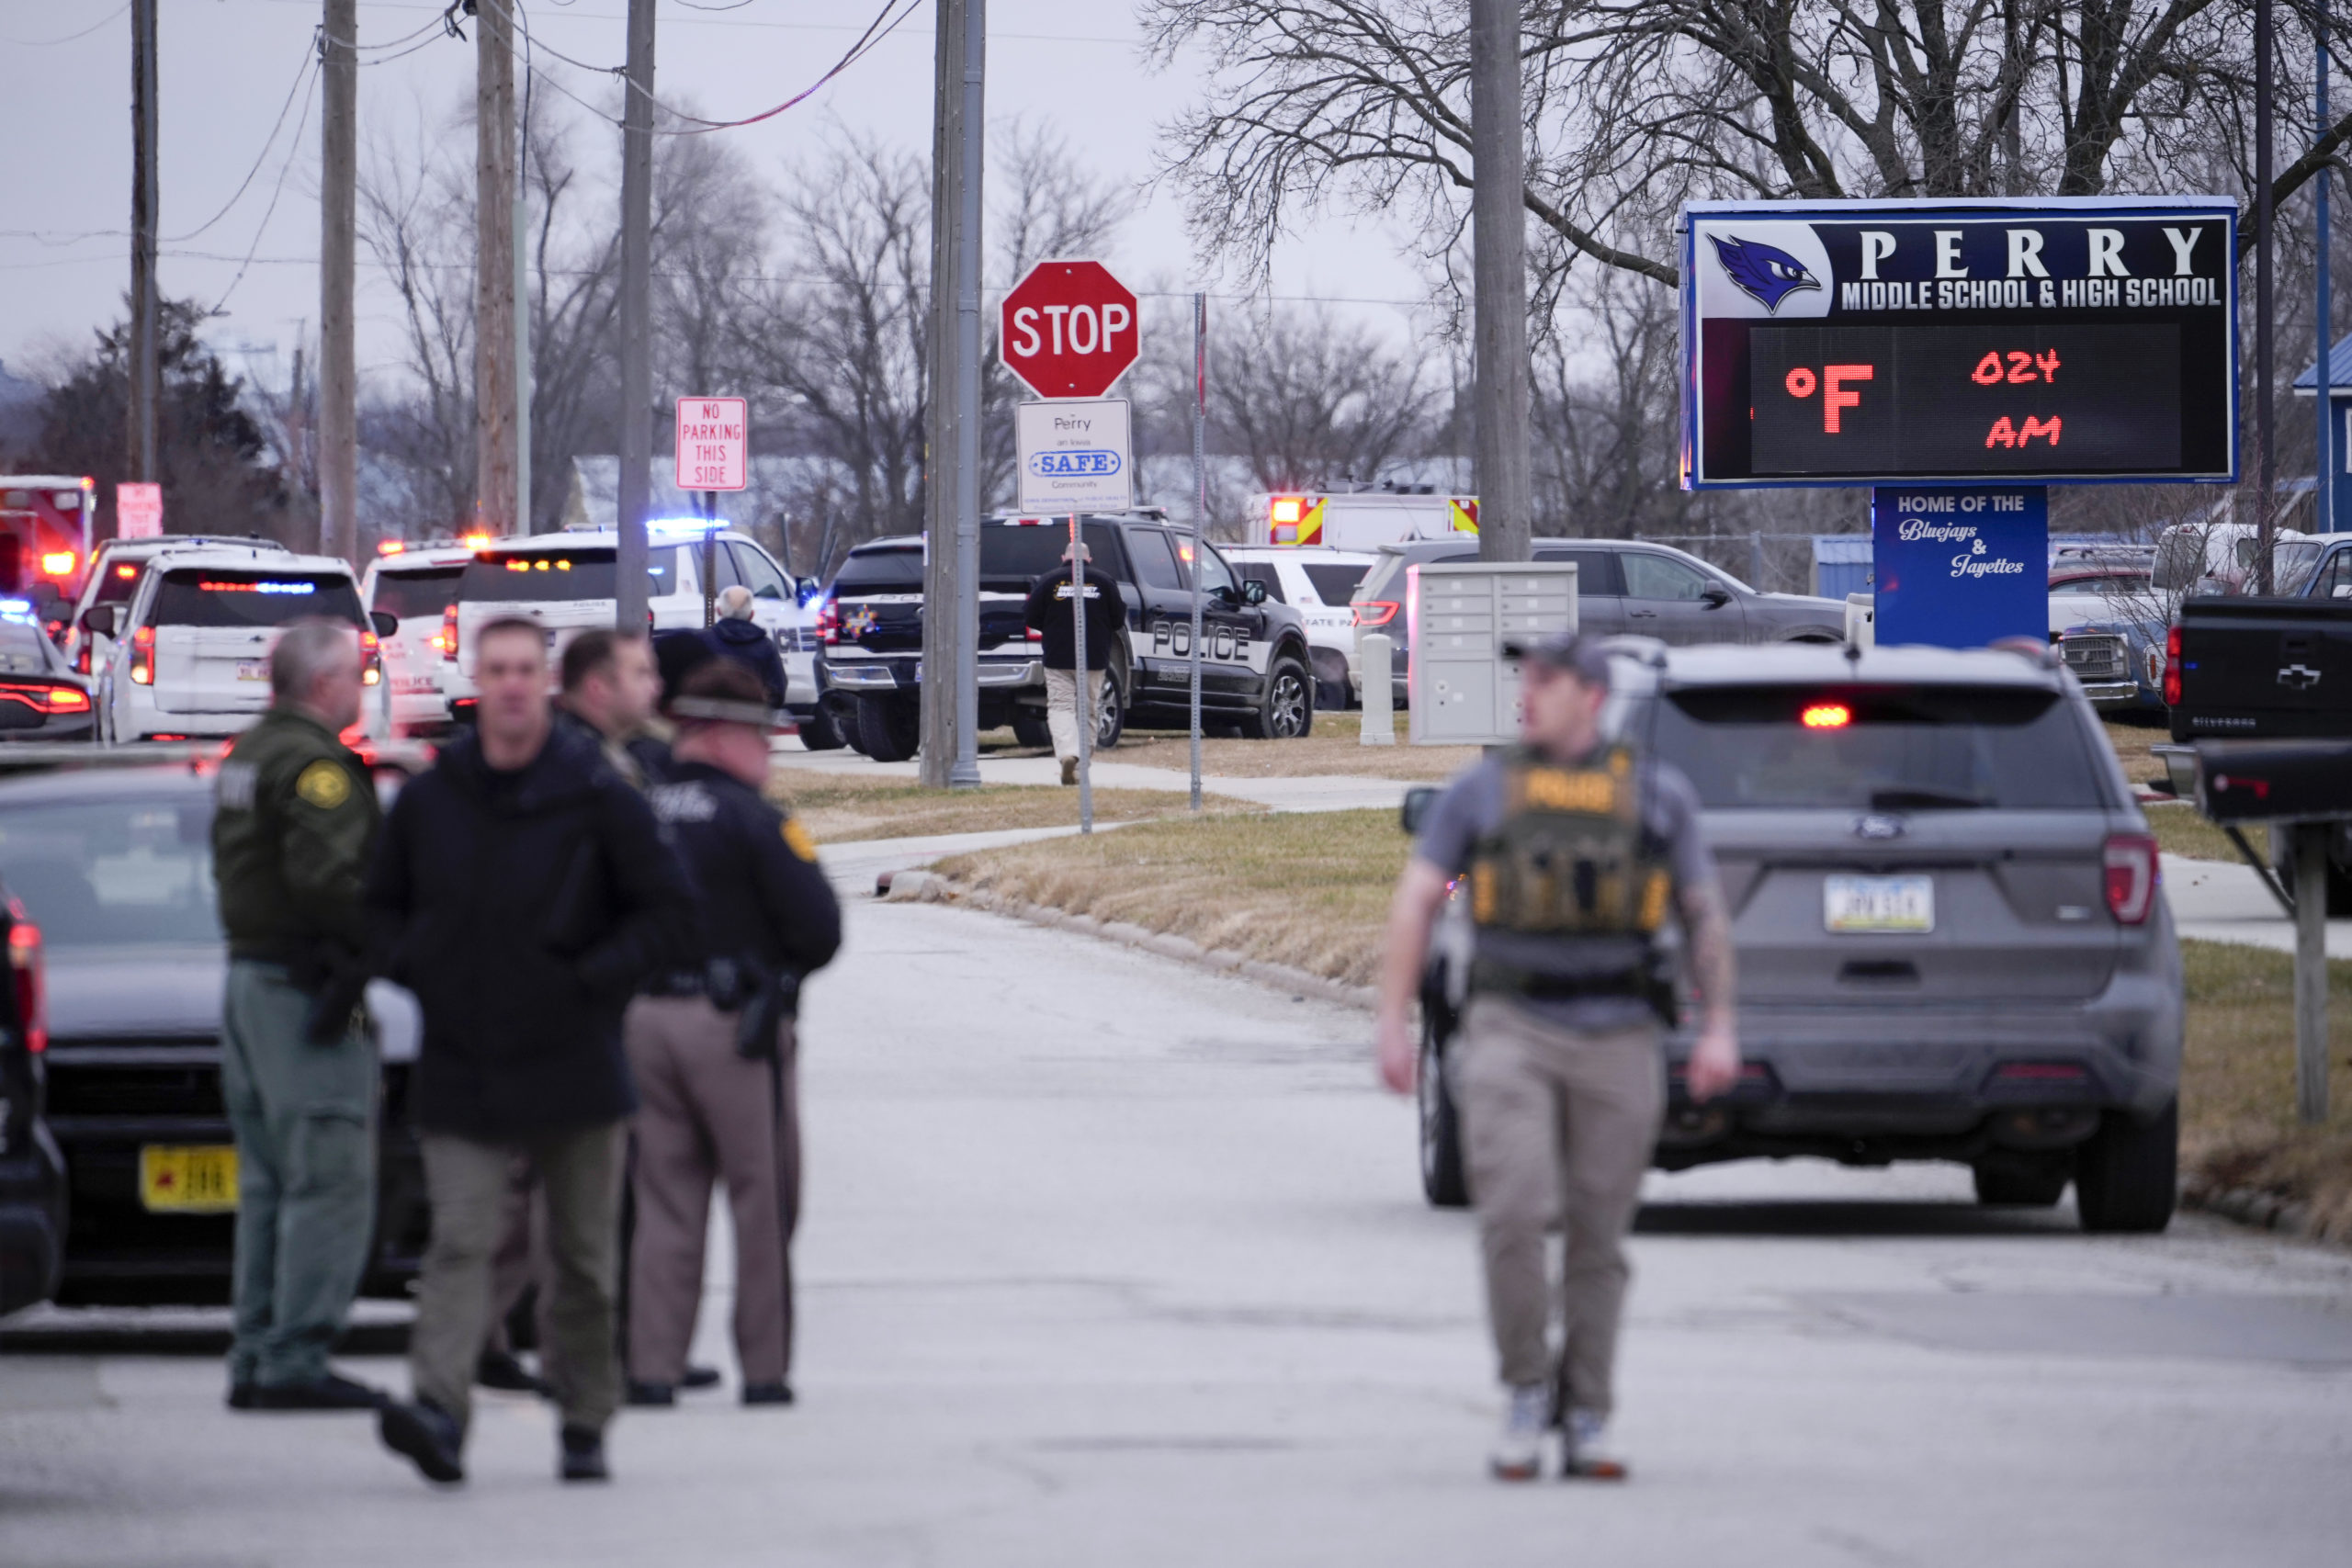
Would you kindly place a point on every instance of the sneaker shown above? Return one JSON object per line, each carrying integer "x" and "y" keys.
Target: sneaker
{"x": 1589, "y": 1453}
{"x": 325, "y": 1391}
{"x": 426, "y": 1436}
{"x": 582, "y": 1456}
{"x": 1517, "y": 1453}
{"x": 1070, "y": 769}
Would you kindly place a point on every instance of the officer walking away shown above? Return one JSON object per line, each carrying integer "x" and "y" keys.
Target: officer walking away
{"x": 1052, "y": 614}
{"x": 1576, "y": 851}
{"x": 735, "y": 635}
{"x": 294, "y": 824}
{"x": 610, "y": 686}
{"x": 523, "y": 891}
{"x": 714, "y": 1049}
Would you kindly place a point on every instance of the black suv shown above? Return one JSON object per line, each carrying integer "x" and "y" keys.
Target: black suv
{"x": 1254, "y": 669}
{"x": 32, "y": 1171}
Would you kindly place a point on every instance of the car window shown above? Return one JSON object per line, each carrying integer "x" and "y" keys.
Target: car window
{"x": 1596, "y": 570}
{"x": 118, "y": 583}
{"x": 544, "y": 576}
{"x": 894, "y": 570}
{"x": 113, "y": 873}
{"x": 198, "y": 596}
{"x": 2336, "y": 579}
{"x": 22, "y": 649}
{"x": 1335, "y": 583}
{"x": 1214, "y": 572}
{"x": 1649, "y": 576}
{"x": 759, "y": 574}
{"x": 1270, "y": 574}
{"x": 411, "y": 594}
{"x": 1014, "y": 554}
{"x": 1765, "y": 747}
{"x": 1155, "y": 558}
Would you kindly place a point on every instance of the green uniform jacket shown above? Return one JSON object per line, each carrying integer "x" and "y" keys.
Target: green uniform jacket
{"x": 293, "y": 829}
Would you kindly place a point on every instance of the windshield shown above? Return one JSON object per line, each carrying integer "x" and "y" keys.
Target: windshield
{"x": 508, "y": 576}
{"x": 896, "y": 570}
{"x": 1879, "y": 749}
{"x": 202, "y": 597}
{"x": 2109, "y": 583}
{"x": 2292, "y": 563}
{"x": 113, "y": 873}
{"x": 118, "y": 582}
{"x": 409, "y": 594}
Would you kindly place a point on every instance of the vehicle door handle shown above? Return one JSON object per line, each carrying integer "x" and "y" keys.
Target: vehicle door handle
{"x": 1642, "y": 614}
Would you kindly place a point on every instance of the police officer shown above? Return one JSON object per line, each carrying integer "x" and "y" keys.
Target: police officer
{"x": 292, "y": 831}
{"x": 1576, "y": 853}
{"x": 713, "y": 1050}
{"x": 1052, "y": 614}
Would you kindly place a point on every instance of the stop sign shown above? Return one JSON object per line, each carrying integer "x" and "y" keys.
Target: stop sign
{"x": 1069, "y": 329}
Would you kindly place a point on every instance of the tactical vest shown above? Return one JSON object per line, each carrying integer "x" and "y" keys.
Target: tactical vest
{"x": 1569, "y": 890}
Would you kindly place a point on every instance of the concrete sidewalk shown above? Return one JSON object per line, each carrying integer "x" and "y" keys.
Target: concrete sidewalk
{"x": 1314, "y": 792}
{"x": 2216, "y": 900}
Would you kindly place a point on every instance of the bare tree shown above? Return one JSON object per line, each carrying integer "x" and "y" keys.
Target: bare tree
{"x": 1310, "y": 401}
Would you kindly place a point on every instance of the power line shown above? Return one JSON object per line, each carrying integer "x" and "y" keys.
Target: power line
{"x": 106, "y": 20}
{"x": 292, "y": 151}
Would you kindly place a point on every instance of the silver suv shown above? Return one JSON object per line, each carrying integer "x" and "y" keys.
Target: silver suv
{"x": 1952, "y": 942}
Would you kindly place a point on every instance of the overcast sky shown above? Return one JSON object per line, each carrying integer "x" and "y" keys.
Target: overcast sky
{"x": 227, "y": 66}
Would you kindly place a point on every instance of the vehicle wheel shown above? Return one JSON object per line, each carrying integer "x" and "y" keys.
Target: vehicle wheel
{"x": 2020, "y": 1183}
{"x": 2125, "y": 1176}
{"x": 1443, "y": 1182}
{"x": 1030, "y": 729}
{"x": 1287, "y": 711}
{"x": 888, "y": 730}
{"x": 1111, "y": 718}
{"x": 1330, "y": 682}
{"x": 819, "y": 733}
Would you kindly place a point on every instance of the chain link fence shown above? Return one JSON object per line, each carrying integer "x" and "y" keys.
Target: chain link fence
{"x": 1775, "y": 563}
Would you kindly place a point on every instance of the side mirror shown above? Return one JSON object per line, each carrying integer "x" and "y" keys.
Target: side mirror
{"x": 1253, "y": 591}
{"x": 100, "y": 620}
{"x": 1224, "y": 594}
{"x": 385, "y": 622}
{"x": 1715, "y": 596}
{"x": 1417, "y": 803}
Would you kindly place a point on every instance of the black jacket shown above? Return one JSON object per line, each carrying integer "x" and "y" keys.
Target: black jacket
{"x": 1049, "y": 612}
{"x": 752, "y": 645}
{"x": 523, "y": 908}
{"x": 761, "y": 893}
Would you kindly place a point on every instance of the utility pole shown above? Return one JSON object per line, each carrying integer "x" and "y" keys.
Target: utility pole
{"x": 2324, "y": 308}
{"x": 146, "y": 334}
{"x": 338, "y": 446}
{"x": 494, "y": 269}
{"x": 636, "y": 320}
{"x": 523, "y": 520}
{"x": 950, "y": 698}
{"x": 1500, "y": 458}
{"x": 2266, "y": 473}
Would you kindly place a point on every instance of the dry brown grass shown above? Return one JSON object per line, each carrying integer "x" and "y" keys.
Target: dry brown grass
{"x": 839, "y": 809}
{"x": 1306, "y": 889}
{"x": 2181, "y": 830}
{"x": 2132, "y": 743}
{"x": 1333, "y": 746}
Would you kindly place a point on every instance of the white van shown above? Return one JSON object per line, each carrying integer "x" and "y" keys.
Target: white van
{"x": 1317, "y": 581}
{"x": 188, "y": 655}
{"x": 416, "y": 584}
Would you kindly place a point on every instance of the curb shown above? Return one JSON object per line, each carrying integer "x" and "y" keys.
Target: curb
{"x": 2256, "y": 1210}
{"x": 930, "y": 888}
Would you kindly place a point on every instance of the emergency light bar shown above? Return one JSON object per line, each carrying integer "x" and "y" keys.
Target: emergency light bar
{"x": 259, "y": 587}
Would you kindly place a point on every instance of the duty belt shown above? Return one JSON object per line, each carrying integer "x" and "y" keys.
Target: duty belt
{"x": 1488, "y": 975}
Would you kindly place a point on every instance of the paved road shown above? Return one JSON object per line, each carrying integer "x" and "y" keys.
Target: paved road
{"x": 1143, "y": 1278}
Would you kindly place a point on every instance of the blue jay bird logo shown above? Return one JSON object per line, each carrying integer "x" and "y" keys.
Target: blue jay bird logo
{"x": 1764, "y": 274}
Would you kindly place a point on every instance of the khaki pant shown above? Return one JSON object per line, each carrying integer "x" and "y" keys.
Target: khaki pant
{"x": 709, "y": 1115}
{"x": 1061, "y": 708}
{"x": 469, "y": 1185}
{"x": 1556, "y": 1121}
{"x": 304, "y": 1118}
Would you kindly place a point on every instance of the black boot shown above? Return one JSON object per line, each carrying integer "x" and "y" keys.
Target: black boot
{"x": 583, "y": 1456}
{"x": 767, "y": 1393}
{"x": 503, "y": 1369}
{"x": 699, "y": 1377}
{"x": 657, "y": 1394}
{"x": 325, "y": 1391}
{"x": 428, "y": 1437}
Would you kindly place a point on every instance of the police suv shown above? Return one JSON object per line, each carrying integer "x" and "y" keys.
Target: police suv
{"x": 1254, "y": 655}
{"x": 416, "y": 584}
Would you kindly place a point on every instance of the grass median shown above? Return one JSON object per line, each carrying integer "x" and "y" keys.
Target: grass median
{"x": 838, "y": 809}
{"x": 1312, "y": 891}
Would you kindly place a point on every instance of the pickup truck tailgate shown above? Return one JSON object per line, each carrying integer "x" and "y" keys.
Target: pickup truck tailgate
{"x": 2263, "y": 667}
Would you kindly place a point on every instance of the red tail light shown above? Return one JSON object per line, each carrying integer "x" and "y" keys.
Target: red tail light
{"x": 66, "y": 699}
{"x": 2131, "y": 864}
{"x": 828, "y": 622}
{"x": 371, "y": 660}
{"x": 143, "y": 657}
{"x": 25, "y": 970}
{"x": 2172, "y": 667}
{"x": 1375, "y": 612}
{"x": 448, "y": 640}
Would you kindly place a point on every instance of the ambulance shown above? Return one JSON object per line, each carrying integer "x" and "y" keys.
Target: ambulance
{"x": 1361, "y": 519}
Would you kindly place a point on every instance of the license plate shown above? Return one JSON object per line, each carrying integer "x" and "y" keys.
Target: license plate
{"x": 194, "y": 1178}
{"x": 253, "y": 669}
{"x": 1879, "y": 903}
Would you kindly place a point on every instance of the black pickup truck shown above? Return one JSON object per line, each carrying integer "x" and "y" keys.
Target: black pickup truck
{"x": 2256, "y": 669}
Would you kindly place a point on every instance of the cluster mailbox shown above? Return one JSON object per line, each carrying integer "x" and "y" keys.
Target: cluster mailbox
{"x": 1462, "y": 617}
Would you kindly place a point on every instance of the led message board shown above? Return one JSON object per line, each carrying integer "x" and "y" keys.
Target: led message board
{"x": 1871, "y": 343}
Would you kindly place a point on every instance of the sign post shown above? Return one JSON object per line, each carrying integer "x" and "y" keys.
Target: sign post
{"x": 713, "y": 454}
{"x": 138, "y": 511}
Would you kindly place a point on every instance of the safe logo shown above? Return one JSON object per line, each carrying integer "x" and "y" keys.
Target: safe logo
{"x": 1764, "y": 273}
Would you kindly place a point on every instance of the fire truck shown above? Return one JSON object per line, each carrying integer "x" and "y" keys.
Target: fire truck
{"x": 1361, "y": 519}
{"x": 45, "y": 540}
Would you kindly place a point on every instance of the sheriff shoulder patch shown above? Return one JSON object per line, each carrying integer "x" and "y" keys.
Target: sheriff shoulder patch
{"x": 323, "y": 783}
{"x": 797, "y": 840}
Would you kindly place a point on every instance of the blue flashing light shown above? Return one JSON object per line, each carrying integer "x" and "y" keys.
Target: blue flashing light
{"x": 17, "y": 609}
{"x": 687, "y": 525}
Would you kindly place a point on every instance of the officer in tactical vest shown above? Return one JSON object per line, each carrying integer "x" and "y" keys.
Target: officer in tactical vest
{"x": 293, "y": 828}
{"x": 714, "y": 1049}
{"x": 1574, "y": 853}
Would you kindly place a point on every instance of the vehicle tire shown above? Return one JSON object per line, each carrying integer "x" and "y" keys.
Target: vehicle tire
{"x": 889, "y": 729}
{"x": 1287, "y": 710}
{"x": 1111, "y": 718}
{"x": 819, "y": 733}
{"x": 1330, "y": 682}
{"x": 2020, "y": 1183}
{"x": 2125, "y": 1176}
{"x": 1030, "y": 729}
{"x": 1443, "y": 1181}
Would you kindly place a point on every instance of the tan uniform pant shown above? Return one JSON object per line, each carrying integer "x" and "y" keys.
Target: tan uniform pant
{"x": 1555, "y": 1121}
{"x": 1061, "y": 708}
{"x": 707, "y": 1115}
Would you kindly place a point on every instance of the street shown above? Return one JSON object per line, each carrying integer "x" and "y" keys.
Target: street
{"x": 1108, "y": 1260}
